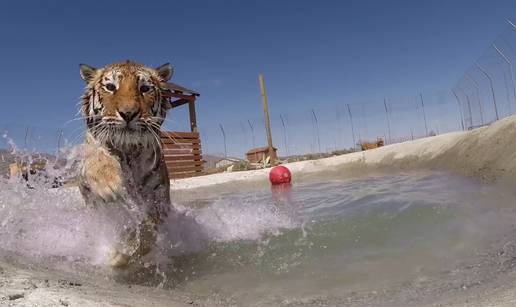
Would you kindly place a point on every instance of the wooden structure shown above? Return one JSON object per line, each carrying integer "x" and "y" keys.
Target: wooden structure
{"x": 260, "y": 154}
{"x": 182, "y": 150}
{"x": 271, "y": 149}
{"x": 367, "y": 145}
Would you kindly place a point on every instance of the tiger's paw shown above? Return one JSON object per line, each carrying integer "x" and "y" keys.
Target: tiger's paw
{"x": 102, "y": 172}
{"x": 117, "y": 259}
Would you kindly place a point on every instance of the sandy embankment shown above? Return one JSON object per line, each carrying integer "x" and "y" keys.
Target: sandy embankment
{"x": 488, "y": 153}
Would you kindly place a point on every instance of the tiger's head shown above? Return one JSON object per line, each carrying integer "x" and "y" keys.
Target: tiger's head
{"x": 123, "y": 103}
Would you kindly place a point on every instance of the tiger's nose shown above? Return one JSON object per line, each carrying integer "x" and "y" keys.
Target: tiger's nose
{"x": 128, "y": 116}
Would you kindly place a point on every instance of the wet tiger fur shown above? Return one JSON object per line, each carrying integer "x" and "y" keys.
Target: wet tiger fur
{"x": 123, "y": 162}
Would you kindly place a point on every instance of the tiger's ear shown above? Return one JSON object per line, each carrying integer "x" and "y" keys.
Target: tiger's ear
{"x": 165, "y": 72}
{"x": 87, "y": 72}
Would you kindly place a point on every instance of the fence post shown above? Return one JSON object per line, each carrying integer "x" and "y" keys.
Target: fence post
{"x": 388, "y": 120}
{"x": 224, "y": 136}
{"x": 506, "y": 59}
{"x": 506, "y": 84}
{"x": 469, "y": 106}
{"x": 475, "y": 85}
{"x": 352, "y": 127}
{"x": 252, "y": 132}
{"x": 316, "y": 122}
{"x": 460, "y": 109}
{"x": 424, "y": 114}
{"x": 512, "y": 24}
{"x": 492, "y": 88}
{"x": 28, "y": 137}
{"x": 469, "y": 109}
{"x": 59, "y": 139}
{"x": 284, "y": 134}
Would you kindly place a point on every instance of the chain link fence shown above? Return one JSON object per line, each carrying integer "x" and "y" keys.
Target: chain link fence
{"x": 340, "y": 126}
{"x": 485, "y": 93}
{"x": 487, "y": 90}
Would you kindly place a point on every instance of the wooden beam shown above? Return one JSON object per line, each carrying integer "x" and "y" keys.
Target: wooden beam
{"x": 179, "y": 95}
{"x": 267, "y": 120}
{"x": 185, "y": 152}
{"x": 193, "y": 117}
{"x": 180, "y": 142}
{"x": 178, "y": 103}
{"x": 180, "y": 135}
{"x": 190, "y": 157}
{"x": 182, "y": 164}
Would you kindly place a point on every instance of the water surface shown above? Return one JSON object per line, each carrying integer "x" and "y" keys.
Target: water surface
{"x": 340, "y": 240}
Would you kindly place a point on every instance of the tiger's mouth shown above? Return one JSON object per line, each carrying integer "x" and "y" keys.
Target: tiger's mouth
{"x": 119, "y": 134}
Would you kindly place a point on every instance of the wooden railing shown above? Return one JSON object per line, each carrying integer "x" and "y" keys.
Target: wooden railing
{"x": 183, "y": 154}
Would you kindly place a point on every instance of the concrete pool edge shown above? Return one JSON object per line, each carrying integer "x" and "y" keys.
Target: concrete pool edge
{"x": 488, "y": 153}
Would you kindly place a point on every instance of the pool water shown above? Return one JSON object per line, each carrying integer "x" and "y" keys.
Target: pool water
{"x": 385, "y": 237}
{"x": 348, "y": 236}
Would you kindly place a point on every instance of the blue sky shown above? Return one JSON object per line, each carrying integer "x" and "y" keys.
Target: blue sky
{"x": 314, "y": 54}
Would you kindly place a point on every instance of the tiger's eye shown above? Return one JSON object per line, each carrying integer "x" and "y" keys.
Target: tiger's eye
{"x": 110, "y": 87}
{"x": 144, "y": 88}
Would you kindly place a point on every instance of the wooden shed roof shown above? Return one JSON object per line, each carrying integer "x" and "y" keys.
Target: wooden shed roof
{"x": 259, "y": 149}
{"x": 178, "y": 88}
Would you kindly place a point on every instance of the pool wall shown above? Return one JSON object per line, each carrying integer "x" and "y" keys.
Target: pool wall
{"x": 488, "y": 153}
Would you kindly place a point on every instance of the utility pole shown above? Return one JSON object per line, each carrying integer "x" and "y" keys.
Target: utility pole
{"x": 424, "y": 114}
{"x": 272, "y": 155}
{"x": 352, "y": 127}
{"x": 492, "y": 87}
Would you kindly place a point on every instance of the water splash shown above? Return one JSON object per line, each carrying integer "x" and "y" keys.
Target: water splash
{"x": 43, "y": 223}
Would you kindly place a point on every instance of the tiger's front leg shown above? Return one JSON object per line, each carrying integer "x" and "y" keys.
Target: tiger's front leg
{"x": 102, "y": 173}
{"x": 134, "y": 244}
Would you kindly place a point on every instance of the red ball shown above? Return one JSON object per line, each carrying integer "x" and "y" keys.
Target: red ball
{"x": 280, "y": 175}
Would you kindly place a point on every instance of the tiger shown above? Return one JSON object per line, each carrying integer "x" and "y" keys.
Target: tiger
{"x": 123, "y": 165}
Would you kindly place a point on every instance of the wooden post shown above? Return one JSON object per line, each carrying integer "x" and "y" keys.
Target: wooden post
{"x": 193, "y": 118}
{"x": 272, "y": 155}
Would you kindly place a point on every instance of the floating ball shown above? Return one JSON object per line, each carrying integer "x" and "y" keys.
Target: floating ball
{"x": 279, "y": 175}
